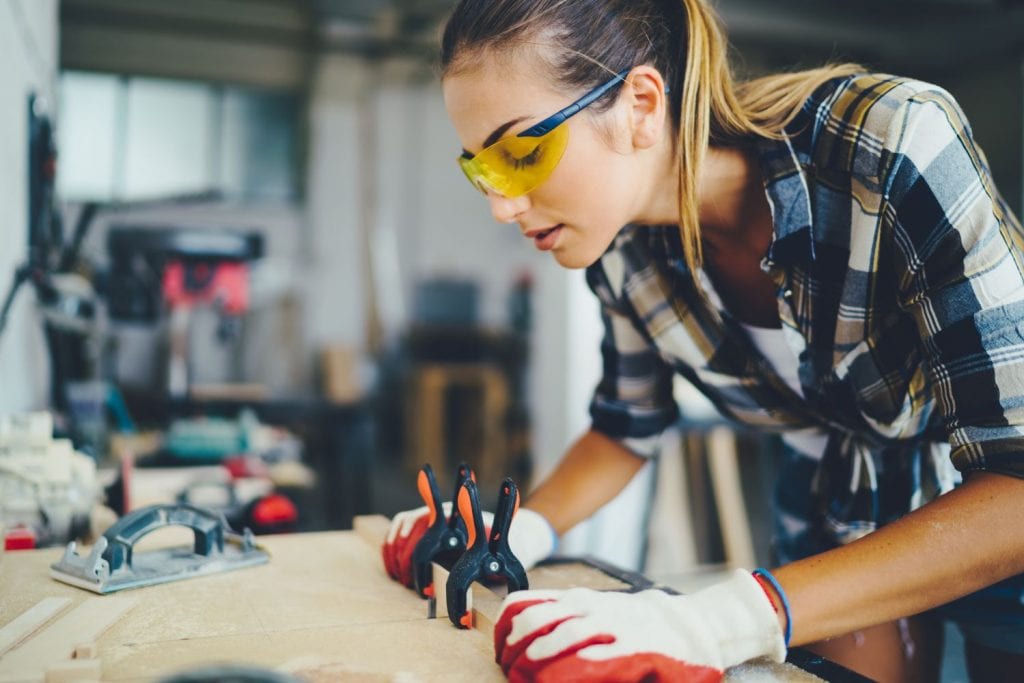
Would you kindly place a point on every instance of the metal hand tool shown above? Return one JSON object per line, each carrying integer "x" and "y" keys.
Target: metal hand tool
{"x": 114, "y": 565}
{"x": 486, "y": 557}
{"x": 445, "y": 539}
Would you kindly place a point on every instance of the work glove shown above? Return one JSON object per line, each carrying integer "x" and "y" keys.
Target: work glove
{"x": 583, "y": 635}
{"x": 530, "y": 537}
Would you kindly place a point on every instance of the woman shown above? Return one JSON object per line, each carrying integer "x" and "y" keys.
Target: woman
{"x": 822, "y": 254}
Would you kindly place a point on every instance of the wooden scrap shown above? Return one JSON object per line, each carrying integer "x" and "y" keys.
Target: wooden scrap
{"x": 86, "y": 650}
{"x": 56, "y": 643}
{"x": 483, "y": 603}
{"x": 74, "y": 671}
{"x": 26, "y": 623}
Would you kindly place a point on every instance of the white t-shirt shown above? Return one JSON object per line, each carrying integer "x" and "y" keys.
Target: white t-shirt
{"x": 771, "y": 342}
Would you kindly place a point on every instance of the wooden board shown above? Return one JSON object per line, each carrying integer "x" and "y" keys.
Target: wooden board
{"x": 323, "y": 598}
{"x": 322, "y": 608}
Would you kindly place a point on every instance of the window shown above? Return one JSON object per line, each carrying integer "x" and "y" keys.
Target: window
{"x": 125, "y": 138}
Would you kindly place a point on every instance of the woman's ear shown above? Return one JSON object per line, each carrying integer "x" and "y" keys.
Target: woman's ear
{"x": 647, "y": 101}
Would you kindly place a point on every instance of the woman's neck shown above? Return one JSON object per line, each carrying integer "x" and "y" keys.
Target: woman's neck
{"x": 732, "y": 208}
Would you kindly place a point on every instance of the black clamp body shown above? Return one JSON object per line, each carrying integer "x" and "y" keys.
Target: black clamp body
{"x": 486, "y": 557}
{"x": 445, "y": 539}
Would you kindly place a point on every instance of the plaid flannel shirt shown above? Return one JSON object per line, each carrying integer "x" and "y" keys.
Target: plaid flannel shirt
{"x": 900, "y": 285}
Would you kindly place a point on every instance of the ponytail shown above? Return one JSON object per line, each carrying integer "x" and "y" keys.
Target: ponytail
{"x": 715, "y": 109}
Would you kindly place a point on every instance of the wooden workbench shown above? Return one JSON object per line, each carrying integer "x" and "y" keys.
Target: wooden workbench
{"x": 322, "y": 609}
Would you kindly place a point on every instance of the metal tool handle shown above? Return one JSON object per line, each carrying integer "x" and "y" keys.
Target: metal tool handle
{"x": 209, "y": 529}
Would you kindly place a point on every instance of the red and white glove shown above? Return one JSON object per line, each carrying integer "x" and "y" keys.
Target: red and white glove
{"x": 583, "y": 635}
{"x": 530, "y": 537}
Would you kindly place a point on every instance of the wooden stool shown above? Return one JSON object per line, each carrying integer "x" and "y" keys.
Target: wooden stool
{"x": 426, "y": 420}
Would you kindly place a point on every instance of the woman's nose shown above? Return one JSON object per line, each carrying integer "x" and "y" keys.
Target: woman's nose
{"x": 507, "y": 209}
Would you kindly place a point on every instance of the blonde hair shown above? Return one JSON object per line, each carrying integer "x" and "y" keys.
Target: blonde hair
{"x": 682, "y": 38}
{"x": 728, "y": 112}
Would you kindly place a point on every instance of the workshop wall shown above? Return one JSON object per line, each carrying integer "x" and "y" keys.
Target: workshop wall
{"x": 28, "y": 51}
{"x": 388, "y": 206}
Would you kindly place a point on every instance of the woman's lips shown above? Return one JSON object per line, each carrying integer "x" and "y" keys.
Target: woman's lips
{"x": 546, "y": 240}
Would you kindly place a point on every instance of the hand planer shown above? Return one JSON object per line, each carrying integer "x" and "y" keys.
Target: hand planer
{"x": 112, "y": 565}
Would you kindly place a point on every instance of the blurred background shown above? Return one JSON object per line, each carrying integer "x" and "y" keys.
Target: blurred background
{"x": 233, "y": 232}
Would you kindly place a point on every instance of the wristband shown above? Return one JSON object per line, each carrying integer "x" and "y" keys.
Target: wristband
{"x": 767, "y": 576}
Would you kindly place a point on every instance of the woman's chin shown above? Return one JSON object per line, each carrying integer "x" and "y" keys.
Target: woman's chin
{"x": 576, "y": 256}
{"x": 573, "y": 259}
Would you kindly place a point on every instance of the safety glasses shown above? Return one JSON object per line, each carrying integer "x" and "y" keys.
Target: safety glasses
{"x": 516, "y": 165}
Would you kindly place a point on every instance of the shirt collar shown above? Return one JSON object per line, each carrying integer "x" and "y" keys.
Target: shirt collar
{"x": 785, "y": 185}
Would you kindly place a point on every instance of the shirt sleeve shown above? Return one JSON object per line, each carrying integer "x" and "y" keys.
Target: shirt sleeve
{"x": 633, "y": 402}
{"x": 957, "y": 250}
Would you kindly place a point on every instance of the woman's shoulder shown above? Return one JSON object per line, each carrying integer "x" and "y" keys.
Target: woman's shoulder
{"x": 849, "y": 121}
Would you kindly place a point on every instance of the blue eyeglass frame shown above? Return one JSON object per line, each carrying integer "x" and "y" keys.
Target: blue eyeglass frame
{"x": 563, "y": 115}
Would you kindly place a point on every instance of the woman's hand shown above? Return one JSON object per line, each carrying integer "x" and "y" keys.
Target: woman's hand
{"x": 407, "y": 528}
{"x": 530, "y": 537}
{"x": 585, "y": 635}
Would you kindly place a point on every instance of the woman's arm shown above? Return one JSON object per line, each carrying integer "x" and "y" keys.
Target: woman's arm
{"x": 959, "y": 543}
{"x": 952, "y": 253}
{"x": 594, "y": 470}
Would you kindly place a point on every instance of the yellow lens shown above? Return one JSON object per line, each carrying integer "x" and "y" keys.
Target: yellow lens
{"x": 516, "y": 165}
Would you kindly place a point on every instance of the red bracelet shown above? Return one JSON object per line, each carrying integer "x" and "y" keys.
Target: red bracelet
{"x": 766, "y": 587}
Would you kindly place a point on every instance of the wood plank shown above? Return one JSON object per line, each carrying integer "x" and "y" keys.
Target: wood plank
{"x": 482, "y": 602}
{"x": 671, "y": 543}
{"x": 732, "y": 511}
{"x": 26, "y": 623}
{"x": 57, "y": 642}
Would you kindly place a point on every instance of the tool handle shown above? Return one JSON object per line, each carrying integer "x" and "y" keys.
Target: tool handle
{"x": 469, "y": 508}
{"x": 508, "y": 505}
{"x": 426, "y": 482}
{"x": 209, "y": 529}
{"x": 462, "y": 475}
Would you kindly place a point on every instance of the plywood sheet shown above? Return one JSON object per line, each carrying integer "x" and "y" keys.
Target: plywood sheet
{"x": 432, "y": 650}
{"x": 322, "y": 596}
{"x": 323, "y": 603}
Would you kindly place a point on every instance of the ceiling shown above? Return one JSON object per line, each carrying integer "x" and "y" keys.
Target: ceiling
{"x": 270, "y": 42}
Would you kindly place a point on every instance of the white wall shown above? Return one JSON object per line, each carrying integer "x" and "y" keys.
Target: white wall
{"x": 28, "y": 52}
{"x": 382, "y": 170}
{"x": 335, "y": 251}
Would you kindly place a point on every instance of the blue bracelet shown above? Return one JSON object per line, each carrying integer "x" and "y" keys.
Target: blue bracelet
{"x": 767, "y": 576}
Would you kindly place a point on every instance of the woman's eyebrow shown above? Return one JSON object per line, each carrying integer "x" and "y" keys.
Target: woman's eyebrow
{"x": 496, "y": 135}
